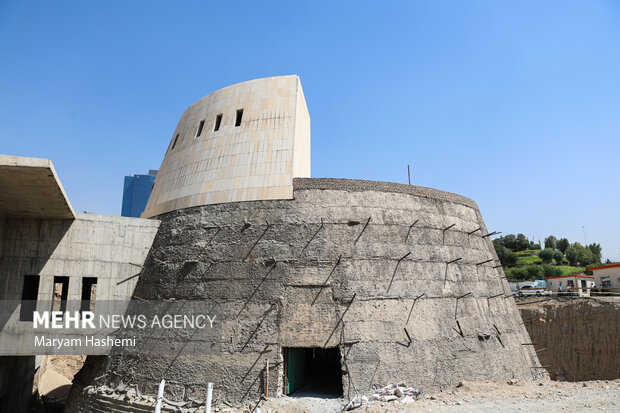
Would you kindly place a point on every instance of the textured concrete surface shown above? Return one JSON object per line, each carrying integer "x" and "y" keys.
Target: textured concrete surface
{"x": 346, "y": 264}
{"x": 16, "y": 377}
{"x": 111, "y": 249}
{"x": 30, "y": 188}
{"x": 253, "y": 161}
{"x": 358, "y": 185}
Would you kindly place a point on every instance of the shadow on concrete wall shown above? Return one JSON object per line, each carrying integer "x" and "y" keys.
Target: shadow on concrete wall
{"x": 26, "y": 245}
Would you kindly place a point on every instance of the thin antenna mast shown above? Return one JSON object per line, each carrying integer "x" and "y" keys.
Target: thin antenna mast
{"x": 585, "y": 238}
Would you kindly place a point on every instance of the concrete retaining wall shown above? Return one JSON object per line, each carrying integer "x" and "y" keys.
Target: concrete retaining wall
{"x": 576, "y": 338}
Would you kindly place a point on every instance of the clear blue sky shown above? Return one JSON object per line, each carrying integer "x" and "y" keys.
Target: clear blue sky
{"x": 513, "y": 104}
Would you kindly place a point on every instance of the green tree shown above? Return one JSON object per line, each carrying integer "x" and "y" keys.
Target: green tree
{"x": 587, "y": 258}
{"x": 505, "y": 255}
{"x": 572, "y": 253}
{"x": 534, "y": 272}
{"x": 551, "y": 271}
{"x": 550, "y": 242}
{"x": 558, "y": 257}
{"x": 508, "y": 241}
{"x": 578, "y": 254}
{"x": 596, "y": 252}
{"x": 522, "y": 243}
{"x": 562, "y": 245}
{"x": 546, "y": 255}
{"x": 555, "y": 272}
{"x": 519, "y": 274}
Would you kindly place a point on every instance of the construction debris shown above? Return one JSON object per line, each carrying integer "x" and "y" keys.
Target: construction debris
{"x": 399, "y": 392}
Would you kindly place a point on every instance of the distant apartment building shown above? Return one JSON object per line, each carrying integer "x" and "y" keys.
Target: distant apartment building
{"x": 136, "y": 192}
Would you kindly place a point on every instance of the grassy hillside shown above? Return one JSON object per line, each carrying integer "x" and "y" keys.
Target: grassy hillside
{"x": 566, "y": 270}
{"x": 528, "y": 260}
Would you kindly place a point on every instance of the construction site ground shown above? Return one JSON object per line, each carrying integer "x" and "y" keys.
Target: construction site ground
{"x": 544, "y": 396}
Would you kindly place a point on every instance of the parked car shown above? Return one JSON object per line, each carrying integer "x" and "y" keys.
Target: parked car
{"x": 531, "y": 290}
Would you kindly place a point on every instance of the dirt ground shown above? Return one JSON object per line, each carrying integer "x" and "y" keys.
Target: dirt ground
{"x": 545, "y": 396}
{"x": 56, "y": 375}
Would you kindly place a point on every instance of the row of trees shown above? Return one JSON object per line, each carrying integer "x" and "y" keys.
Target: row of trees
{"x": 507, "y": 245}
{"x": 555, "y": 250}
{"x": 578, "y": 254}
{"x": 534, "y": 272}
{"x": 516, "y": 242}
{"x": 548, "y": 255}
{"x": 553, "y": 243}
{"x": 575, "y": 253}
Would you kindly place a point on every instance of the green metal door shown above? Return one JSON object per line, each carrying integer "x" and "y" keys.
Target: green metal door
{"x": 295, "y": 369}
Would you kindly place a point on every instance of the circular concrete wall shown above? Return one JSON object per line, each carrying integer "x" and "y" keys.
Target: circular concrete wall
{"x": 402, "y": 280}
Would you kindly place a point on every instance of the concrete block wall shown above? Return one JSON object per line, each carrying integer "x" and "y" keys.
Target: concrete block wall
{"x": 112, "y": 249}
{"x": 346, "y": 264}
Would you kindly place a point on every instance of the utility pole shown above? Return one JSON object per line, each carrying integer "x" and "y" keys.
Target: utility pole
{"x": 584, "y": 235}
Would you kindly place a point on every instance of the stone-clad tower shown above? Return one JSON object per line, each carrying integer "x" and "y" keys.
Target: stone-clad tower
{"x": 342, "y": 285}
{"x": 244, "y": 142}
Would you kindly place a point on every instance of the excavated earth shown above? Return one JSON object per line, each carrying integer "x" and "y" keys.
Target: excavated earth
{"x": 480, "y": 396}
{"x": 576, "y": 338}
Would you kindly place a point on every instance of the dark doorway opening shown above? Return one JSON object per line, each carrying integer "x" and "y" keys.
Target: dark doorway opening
{"x": 312, "y": 371}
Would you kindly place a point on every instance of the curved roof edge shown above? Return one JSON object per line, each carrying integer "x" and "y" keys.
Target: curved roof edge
{"x": 358, "y": 185}
{"x": 237, "y": 84}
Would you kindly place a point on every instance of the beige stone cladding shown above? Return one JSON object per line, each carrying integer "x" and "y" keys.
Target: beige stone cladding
{"x": 219, "y": 154}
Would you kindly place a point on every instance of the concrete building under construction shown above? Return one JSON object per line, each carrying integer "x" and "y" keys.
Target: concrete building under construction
{"x": 332, "y": 286}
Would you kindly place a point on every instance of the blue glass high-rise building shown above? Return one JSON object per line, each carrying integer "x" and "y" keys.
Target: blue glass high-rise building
{"x": 136, "y": 192}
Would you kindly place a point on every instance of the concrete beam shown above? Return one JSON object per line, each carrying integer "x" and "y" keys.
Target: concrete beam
{"x": 30, "y": 188}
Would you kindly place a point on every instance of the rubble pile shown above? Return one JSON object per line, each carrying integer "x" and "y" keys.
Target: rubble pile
{"x": 399, "y": 392}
